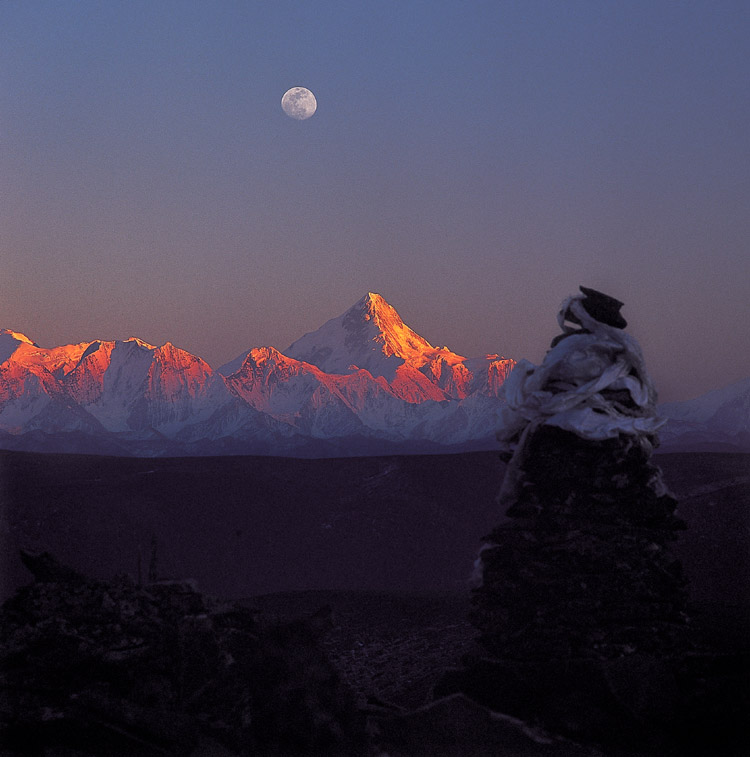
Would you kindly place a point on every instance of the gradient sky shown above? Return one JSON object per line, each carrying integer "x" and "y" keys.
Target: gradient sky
{"x": 473, "y": 162}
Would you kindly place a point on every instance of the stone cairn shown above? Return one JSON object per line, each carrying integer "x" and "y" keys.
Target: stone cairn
{"x": 583, "y": 567}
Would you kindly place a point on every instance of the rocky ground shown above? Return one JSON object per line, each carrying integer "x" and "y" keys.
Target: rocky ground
{"x": 90, "y": 667}
{"x": 99, "y": 668}
{"x": 393, "y": 647}
{"x": 393, "y": 650}
{"x": 389, "y": 646}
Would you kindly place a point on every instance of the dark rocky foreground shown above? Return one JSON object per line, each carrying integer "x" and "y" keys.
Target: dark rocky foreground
{"x": 92, "y": 667}
{"x": 113, "y": 668}
{"x": 406, "y": 529}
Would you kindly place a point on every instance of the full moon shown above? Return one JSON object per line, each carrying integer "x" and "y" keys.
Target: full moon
{"x": 299, "y": 103}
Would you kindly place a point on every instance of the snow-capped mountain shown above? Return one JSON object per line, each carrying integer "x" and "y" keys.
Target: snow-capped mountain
{"x": 372, "y": 336}
{"x": 718, "y": 420}
{"x": 362, "y": 381}
{"x": 122, "y": 386}
{"x": 366, "y": 372}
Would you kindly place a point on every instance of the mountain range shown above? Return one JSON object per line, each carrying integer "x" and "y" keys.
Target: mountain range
{"x": 716, "y": 421}
{"x": 363, "y": 383}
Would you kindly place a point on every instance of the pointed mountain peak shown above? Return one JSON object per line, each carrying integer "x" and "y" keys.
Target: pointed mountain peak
{"x": 255, "y": 356}
{"x": 10, "y": 341}
{"x": 373, "y": 301}
{"x": 17, "y": 335}
{"x": 374, "y": 307}
{"x": 395, "y": 336}
{"x": 261, "y": 354}
{"x": 140, "y": 342}
{"x": 369, "y": 335}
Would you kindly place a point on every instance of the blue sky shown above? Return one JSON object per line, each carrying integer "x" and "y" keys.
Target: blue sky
{"x": 473, "y": 162}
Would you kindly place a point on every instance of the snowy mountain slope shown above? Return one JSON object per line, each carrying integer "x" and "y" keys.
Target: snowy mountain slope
{"x": 477, "y": 375}
{"x": 58, "y": 360}
{"x": 293, "y": 392}
{"x": 369, "y": 335}
{"x": 720, "y": 418}
{"x": 10, "y": 341}
{"x": 325, "y": 405}
{"x": 362, "y": 379}
{"x": 116, "y": 387}
{"x": 367, "y": 372}
{"x": 31, "y": 397}
{"x": 372, "y": 336}
{"x": 359, "y": 383}
{"x": 710, "y": 407}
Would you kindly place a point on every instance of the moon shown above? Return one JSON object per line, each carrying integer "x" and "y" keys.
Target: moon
{"x": 299, "y": 103}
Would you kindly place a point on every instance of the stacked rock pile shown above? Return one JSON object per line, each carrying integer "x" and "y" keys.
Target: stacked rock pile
{"x": 583, "y": 569}
{"x": 92, "y": 667}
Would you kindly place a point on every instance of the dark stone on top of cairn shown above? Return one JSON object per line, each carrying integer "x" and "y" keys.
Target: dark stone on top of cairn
{"x": 604, "y": 308}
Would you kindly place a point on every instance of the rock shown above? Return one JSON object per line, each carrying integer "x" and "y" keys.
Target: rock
{"x": 47, "y": 569}
{"x": 584, "y": 568}
{"x": 457, "y": 725}
{"x": 570, "y": 698}
{"x": 94, "y": 667}
{"x": 604, "y": 308}
{"x": 581, "y": 608}
{"x": 640, "y": 704}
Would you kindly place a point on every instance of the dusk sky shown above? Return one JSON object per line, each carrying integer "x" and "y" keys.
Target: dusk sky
{"x": 473, "y": 162}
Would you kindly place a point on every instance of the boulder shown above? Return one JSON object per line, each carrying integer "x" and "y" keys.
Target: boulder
{"x": 95, "y": 667}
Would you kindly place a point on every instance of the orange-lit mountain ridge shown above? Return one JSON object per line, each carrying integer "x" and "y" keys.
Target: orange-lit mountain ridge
{"x": 110, "y": 386}
{"x": 361, "y": 381}
{"x": 372, "y": 336}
